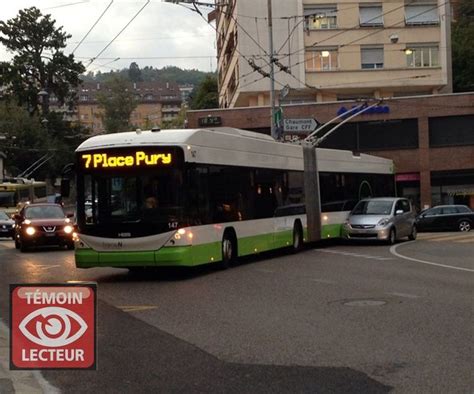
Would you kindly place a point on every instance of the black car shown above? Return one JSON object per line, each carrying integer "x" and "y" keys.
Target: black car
{"x": 446, "y": 218}
{"x": 6, "y": 225}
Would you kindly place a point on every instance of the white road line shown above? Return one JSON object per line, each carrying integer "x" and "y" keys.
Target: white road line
{"x": 326, "y": 282}
{"x": 393, "y": 250}
{"x": 365, "y": 256}
{"x": 404, "y": 295}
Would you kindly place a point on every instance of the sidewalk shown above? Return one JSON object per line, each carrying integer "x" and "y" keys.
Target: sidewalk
{"x": 21, "y": 382}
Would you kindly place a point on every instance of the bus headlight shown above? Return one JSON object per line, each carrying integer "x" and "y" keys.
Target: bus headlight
{"x": 68, "y": 229}
{"x": 30, "y": 231}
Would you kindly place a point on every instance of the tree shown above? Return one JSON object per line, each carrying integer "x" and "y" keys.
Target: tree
{"x": 205, "y": 96}
{"x": 118, "y": 104}
{"x": 463, "y": 50}
{"x": 134, "y": 73}
{"x": 39, "y": 61}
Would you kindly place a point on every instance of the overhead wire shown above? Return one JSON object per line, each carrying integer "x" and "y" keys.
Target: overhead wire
{"x": 118, "y": 34}
{"x": 92, "y": 27}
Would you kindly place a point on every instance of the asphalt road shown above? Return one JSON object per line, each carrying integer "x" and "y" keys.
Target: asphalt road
{"x": 337, "y": 318}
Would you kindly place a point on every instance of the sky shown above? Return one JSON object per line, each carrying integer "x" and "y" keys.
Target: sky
{"x": 162, "y": 34}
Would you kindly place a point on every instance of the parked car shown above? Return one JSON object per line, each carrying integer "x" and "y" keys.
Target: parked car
{"x": 43, "y": 224}
{"x": 6, "y": 225}
{"x": 386, "y": 219}
{"x": 446, "y": 218}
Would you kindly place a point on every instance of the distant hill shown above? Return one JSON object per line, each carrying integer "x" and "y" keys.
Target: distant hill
{"x": 147, "y": 74}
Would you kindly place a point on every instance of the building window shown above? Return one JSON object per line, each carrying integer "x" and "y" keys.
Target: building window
{"x": 421, "y": 14}
{"x": 422, "y": 57}
{"x": 371, "y": 15}
{"x": 371, "y": 57}
{"x": 321, "y": 17}
{"x": 148, "y": 97}
{"x": 324, "y": 60}
{"x": 84, "y": 97}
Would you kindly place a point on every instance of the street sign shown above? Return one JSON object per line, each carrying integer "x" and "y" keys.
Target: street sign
{"x": 300, "y": 126}
{"x": 53, "y": 326}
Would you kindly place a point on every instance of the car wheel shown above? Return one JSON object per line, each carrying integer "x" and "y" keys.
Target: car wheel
{"x": 464, "y": 225}
{"x": 17, "y": 243}
{"x": 392, "y": 237}
{"x": 413, "y": 234}
{"x": 228, "y": 250}
{"x": 297, "y": 237}
{"x": 70, "y": 246}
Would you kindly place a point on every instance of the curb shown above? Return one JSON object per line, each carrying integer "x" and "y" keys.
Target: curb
{"x": 31, "y": 382}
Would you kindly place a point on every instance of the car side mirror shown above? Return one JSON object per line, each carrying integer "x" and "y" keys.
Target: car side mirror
{"x": 399, "y": 212}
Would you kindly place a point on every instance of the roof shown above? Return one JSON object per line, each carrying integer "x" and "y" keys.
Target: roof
{"x": 229, "y": 146}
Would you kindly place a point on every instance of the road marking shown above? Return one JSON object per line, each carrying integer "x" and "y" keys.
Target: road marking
{"x": 465, "y": 241}
{"x": 136, "y": 308}
{"x": 326, "y": 282}
{"x": 365, "y": 256}
{"x": 455, "y": 238}
{"x": 45, "y": 266}
{"x": 404, "y": 295}
{"x": 393, "y": 250}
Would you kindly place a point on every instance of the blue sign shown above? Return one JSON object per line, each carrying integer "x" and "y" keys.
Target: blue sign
{"x": 379, "y": 109}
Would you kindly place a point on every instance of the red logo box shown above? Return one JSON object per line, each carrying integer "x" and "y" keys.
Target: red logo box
{"x": 53, "y": 326}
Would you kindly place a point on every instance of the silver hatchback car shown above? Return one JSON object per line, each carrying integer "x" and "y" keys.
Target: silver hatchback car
{"x": 386, "y": 219}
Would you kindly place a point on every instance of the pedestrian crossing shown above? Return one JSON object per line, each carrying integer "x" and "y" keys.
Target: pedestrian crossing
{"x": 459, "y": 237}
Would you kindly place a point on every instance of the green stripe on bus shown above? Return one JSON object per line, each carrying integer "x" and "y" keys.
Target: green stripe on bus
{"x": 188, "y": 256}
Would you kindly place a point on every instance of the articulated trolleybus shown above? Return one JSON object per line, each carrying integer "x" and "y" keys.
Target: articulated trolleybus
{"x": 191, "y": 197}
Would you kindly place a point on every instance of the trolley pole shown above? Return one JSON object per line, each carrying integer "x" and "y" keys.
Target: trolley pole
{"x": 311, "y": 172}
{"x": 272, "y": 70}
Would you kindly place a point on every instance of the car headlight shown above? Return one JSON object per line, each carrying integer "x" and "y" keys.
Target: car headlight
{"x": 68, "y": 229}
{"x": 383, "y": 222}
{"x": 30, "y": 230}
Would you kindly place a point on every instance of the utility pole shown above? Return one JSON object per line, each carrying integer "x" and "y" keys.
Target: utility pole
{"x": 311, "y": 171}
{"x": 272, "y": 70}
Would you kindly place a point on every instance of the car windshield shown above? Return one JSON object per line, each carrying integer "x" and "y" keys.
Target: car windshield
{"x": 44, "y": 212}
{"x": 3, "y": 216}
{"x": 7, "y": 199}
{"x": 373, "y": 207}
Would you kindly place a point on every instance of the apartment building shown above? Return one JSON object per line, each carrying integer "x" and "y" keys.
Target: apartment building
{"x": 333, "y": 50}
{"x": 158, "y": 102}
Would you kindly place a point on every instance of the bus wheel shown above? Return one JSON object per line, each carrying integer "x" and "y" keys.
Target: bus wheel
{"x": 228, "y": 250}
{"x": 297, "y": 237}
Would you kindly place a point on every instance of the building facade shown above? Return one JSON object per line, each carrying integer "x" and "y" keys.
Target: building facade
{"x": 158, "y": 102}
{"x": 429, "y": 138}
{"x": 333, "y": 50}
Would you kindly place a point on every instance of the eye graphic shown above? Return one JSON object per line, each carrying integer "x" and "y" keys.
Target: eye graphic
{"x": 53, "y": 325}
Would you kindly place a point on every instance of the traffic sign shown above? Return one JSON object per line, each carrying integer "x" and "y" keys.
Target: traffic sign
{"x": 300, "y": 126}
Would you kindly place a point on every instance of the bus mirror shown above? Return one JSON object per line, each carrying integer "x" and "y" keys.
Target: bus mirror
{"x": 65, "y": 187}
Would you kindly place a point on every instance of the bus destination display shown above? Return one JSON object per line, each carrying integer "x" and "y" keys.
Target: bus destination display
{"x": 133, "y": 159}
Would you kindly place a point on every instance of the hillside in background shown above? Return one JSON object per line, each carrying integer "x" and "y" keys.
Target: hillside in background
{"x": 147, "y": 74}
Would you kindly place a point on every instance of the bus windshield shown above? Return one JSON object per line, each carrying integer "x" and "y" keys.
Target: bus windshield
{"x": 133, "y": 198}
{"x": 7, "y": 199}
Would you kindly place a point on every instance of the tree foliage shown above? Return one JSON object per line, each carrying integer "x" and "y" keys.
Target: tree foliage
{"x": 118, "y": 104}
{"x": 38, "y": 59}
{"x": 149, "y": 74}
{"x": 134, "y": 73}
{"x": 206, "y": 95}
{"x": 463, "y": 51}
{"x": 26, "y": 140}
